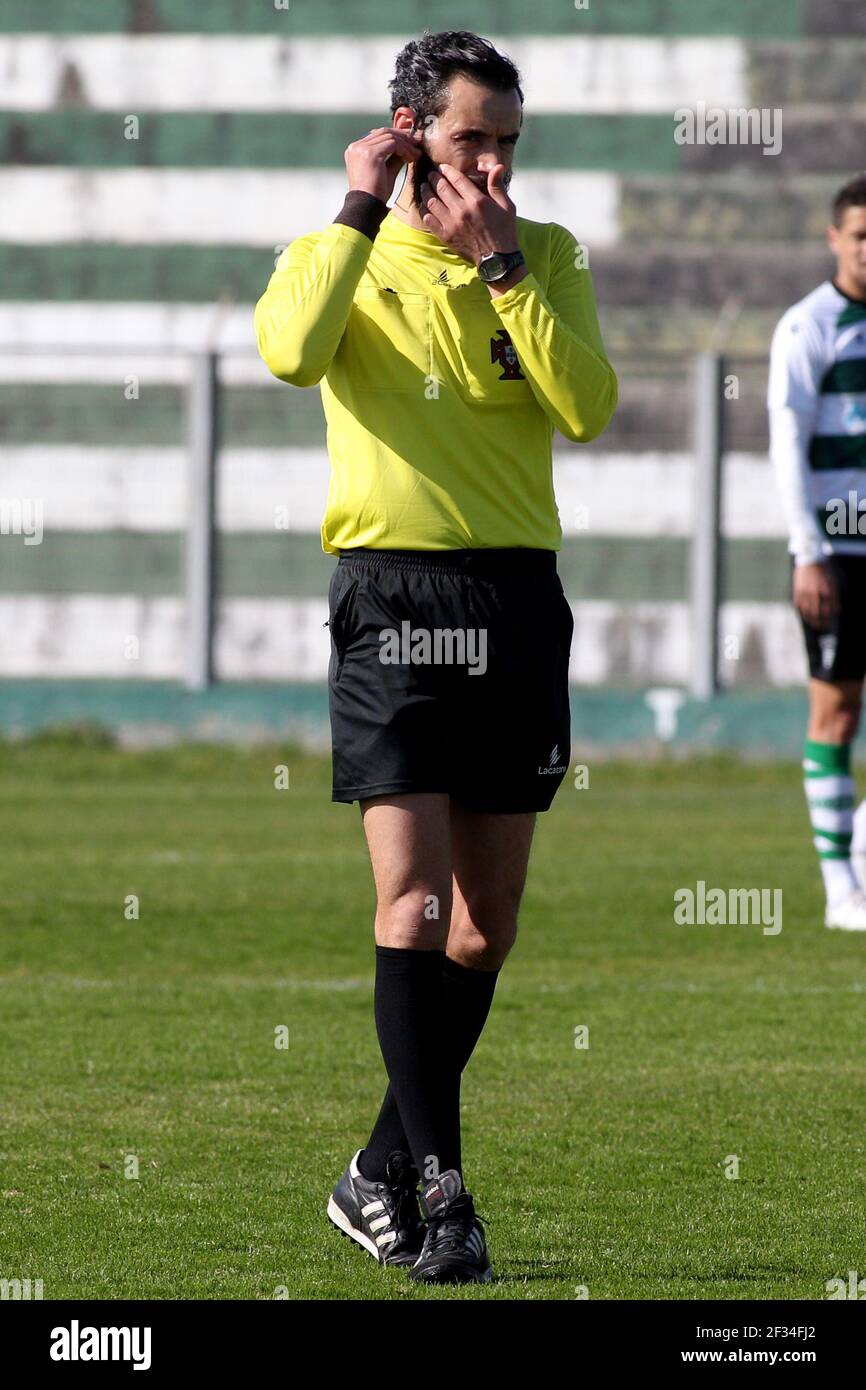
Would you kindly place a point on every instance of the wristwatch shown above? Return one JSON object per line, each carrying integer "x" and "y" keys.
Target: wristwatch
{"x": 497, "y": 264}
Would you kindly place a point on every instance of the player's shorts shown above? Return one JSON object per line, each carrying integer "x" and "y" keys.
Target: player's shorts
{"x": 838, "y": 652}
{"x": 449, "y": 673}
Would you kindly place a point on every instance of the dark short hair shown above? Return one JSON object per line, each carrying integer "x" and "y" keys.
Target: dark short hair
{"x": 426, "y": 65}
{"x": 853, "y": 195}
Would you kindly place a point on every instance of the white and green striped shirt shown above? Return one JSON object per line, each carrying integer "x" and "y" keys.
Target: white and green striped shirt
{"x": 817, "y": 405}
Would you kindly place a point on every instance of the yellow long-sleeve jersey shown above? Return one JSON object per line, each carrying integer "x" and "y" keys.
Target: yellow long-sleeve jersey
{"x": 440, "y": 399}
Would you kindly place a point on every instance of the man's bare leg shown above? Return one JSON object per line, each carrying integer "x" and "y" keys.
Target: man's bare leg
{"x": 489, "y": 861}
{"x": 409, "y": 840}
{"x": 488, "y": 856}
{"x": 834, "y": 710}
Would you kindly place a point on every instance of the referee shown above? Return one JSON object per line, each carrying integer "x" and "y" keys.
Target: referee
{"x": 450, "y": 337}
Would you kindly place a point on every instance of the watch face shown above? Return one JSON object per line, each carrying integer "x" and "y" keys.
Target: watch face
{"x": 492, "y": 266}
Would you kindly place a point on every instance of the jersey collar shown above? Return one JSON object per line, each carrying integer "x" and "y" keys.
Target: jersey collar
{"x": 850, "y": 298}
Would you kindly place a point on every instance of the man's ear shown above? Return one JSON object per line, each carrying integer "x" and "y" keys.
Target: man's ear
{"x": 404, "y": 118}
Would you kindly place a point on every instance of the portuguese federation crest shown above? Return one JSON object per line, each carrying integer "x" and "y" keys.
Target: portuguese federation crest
{"x": 502, "y": 351}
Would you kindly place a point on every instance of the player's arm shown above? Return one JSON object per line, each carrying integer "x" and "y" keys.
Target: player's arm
{"x": 796, "y": 367}
{"x": 558, "y": 341}
{"x": 302, "y": 315}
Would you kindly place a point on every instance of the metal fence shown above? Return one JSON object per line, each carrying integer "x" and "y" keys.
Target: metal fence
{"x": 671, "y": 409}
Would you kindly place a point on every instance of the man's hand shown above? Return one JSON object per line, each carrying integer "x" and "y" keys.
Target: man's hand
{"x": 469, "y": 221}
{"x": 816, "y": 593}
{"x": 373, "y": 163}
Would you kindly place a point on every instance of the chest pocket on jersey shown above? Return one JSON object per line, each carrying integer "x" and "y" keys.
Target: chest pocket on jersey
{"x": 388, "y": 342}
{"x": 490, "y": 370}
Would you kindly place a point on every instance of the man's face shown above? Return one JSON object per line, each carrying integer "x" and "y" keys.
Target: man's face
{"x": 477, "y": 130}
{"x": 848, "y": 244}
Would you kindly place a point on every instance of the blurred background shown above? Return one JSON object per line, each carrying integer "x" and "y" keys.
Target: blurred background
{"x": 161, "y": 570}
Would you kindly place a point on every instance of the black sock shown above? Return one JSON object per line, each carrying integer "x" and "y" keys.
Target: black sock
{"x": 466, "y": 1000}
{"x": 426, "y": 1086}
{"x": 468, "y": 995}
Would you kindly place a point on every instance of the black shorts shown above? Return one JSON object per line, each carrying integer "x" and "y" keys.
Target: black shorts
{"x": 838, "y": 652}
{"x": 449, "y": 673}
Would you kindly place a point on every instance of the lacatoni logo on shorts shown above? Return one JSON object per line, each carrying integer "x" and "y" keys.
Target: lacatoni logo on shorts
{"x": 553, "y": 763}
{"x": 76, "y": 1343}
{"x": 437, "y": 646}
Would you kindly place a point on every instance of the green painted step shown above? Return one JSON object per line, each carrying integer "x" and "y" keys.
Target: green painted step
{"x": 762, "y": 275}
{"x": 286, "y": 140}
{"x": 622, "y": 144}
{"x": 820, "y": 70}
{"x": 664, "y": 274}
{"x": 294, "y": 566}
{"x": 652, "y": 413}
{"x": 811, "y": 137}
{"x": 96, "y": 562}
{"x": 62, "y": 413}
{"x": 683, "y": 328}
{"x": 734, "y": 210}
{"x": 834, "y": 17}
{"x": 288, "y": 18}
{"x": 104, "y": 271}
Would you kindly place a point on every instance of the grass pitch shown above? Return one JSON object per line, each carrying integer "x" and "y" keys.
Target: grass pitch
{"x": 148, "y": 1046}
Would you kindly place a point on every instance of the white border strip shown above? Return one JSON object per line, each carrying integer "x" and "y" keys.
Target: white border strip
{"x": 83, "y": 487}
{"x": 247, "y": 207}
{"x": 227, "y": 72}
{"x": 285, "y": 639}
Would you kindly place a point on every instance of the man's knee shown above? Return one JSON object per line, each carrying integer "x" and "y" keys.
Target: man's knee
{"x": 483, "y": 932}
{"x": 835, "y": 715}
{"x": 849, "y": 722}
{"x": 413, "y": 918}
